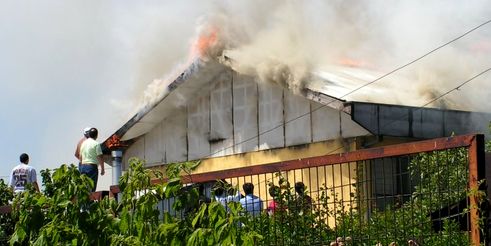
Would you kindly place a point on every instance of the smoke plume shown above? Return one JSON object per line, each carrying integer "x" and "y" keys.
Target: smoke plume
{"x": 286, "y": 41}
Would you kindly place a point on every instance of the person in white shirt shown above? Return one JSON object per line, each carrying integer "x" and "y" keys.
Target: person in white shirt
{"x": 22, "y": 175}
{"x": 252, "y": 204}
{"x": 224, "y": 199}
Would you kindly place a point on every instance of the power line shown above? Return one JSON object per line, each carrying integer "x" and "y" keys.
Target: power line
{"x": 457, "y": 88}
{"x": 442, "y": 95}
{"x": 360, "y": 87}
{"x": 367, "y": 84}
{"x": 418, "y": 108}
{"x": 418, "y": 58}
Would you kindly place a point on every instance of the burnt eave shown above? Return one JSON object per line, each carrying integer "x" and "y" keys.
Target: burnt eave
{"x": 194, "y": 78}
{"x": 138, "y": 116}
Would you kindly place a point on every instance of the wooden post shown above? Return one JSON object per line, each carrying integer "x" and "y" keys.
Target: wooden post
{"x": 476, "y": 174}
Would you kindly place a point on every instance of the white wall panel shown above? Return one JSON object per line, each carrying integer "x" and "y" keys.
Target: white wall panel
{"x": 329, "y": 123}
{"x": 174, "y": 137}
{"x": 271, "y": 128}
{"x": 135, "y": 150}
{"x": 199, "y": 128}
{"x": 297, "y": 118}
{"x": 154, "y": 153}
{"x": 351, "y": 128}
{"x": 325, "y": 122}
{"x": 221, "y": 131}
{"x": 245, "y": 114}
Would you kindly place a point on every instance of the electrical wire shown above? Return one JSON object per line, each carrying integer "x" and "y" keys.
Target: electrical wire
{"x": 358, "y": 88}
{"x": 456, "y": 88}
{"x": 367, "y": 84}
{"x": 403, "y": 116}
{"x": 418, "y": 108}
{"x": 418, "y": 58}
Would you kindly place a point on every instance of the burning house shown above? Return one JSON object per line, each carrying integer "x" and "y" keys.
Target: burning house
{"x": 229, "y": 120}
{"x": 247, "y": 107}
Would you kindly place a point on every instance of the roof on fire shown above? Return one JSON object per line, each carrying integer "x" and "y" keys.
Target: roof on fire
{"x": 330, "y": 86}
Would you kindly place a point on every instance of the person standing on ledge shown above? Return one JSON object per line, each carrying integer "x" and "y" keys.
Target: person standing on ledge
{"x": 91, "y": 156}
{"x": 22, "y": 175}
{"x": 80, "y": 142}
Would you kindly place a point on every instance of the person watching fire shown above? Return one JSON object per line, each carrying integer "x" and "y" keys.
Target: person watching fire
{"x": 91, "y": 156}
{"x": 79, "y": 144}
{"x": 22, "y": 175}
{"x": 251, "y": 203}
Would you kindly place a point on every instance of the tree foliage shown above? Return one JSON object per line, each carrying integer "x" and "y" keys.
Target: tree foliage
{"x": 65, "y": 215}
{"x": 6, "y": 221}
{"x": 439, "y": 182}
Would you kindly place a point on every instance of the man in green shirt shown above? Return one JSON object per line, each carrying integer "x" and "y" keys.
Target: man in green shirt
{"x": 91, "y": 156}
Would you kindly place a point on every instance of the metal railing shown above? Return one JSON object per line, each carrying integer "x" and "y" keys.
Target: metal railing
{"x": 419, "y": 191}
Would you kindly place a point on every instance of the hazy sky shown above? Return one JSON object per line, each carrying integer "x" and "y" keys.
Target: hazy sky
{"x": 65, "y": 65}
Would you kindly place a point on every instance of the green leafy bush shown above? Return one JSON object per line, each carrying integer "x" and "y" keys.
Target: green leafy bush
{"x": 6, "y": 221}
{"x": 295, "y": 221}
{"x": 440, "y": 180}
{"x": 63, "y": 214}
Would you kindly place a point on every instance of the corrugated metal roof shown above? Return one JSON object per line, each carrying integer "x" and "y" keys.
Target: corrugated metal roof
{"x": 345, "y": 83}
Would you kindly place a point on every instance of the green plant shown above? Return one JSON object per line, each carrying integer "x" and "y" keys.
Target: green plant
{"x": 6, "y": 221}
{"x": 439, "y": 181}
{"x": 295, "y": 221}
{"x": 64, "y": 214}
{"x": 140, "y": 223}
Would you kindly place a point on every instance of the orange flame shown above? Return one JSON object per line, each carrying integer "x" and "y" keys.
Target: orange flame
{"x": 114, "y": 142}
{"x": 205, "y": 41}
{"x": 352, "y": 62}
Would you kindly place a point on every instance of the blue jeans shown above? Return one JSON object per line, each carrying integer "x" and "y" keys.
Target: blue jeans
{"x": 91, "y": 171}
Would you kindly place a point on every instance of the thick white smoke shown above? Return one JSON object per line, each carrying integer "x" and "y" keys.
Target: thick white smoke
{"x": 286, "y": 41}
